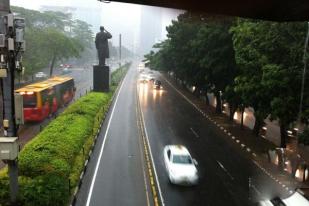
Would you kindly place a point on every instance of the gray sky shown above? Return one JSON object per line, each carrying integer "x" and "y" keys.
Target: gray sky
{"x": 118, "y": 18}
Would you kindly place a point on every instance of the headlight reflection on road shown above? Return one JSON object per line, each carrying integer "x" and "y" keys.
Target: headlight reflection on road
{"x": 301, "y": 173}
{"x": 143, "y": 92}
{"x": 156, "y": 93}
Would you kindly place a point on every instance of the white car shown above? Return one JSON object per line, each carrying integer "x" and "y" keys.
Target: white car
{"x": 295, "y": 199}
{"x": 40, "y": 75}
{"x": 180, "y": 166}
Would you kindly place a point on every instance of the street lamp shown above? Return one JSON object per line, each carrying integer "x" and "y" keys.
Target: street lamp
{"x": 303, "y": 77}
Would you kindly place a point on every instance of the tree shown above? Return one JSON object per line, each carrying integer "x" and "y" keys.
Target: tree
{"x": 180, "y": 35}
{"x": 60, "y": 47}
{"x": 53, "y": 36}
{"x": 234, "y": 100}
{"x": 161, "y": 59}
{"x": 199, "y": 50}
{"x": 214, "y": 52}
{"x": 270, "y": 57}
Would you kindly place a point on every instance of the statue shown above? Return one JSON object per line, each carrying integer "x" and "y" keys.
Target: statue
{"x": 101, "y": 43}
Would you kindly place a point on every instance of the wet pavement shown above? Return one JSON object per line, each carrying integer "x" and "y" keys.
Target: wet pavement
{"x": 280, "y": 167}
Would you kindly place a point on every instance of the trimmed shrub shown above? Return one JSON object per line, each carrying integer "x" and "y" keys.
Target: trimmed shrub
{"x": 119, "y": 73}
{"x": 48, "y": 159}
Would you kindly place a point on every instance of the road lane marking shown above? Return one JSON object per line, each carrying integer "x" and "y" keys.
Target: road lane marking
{"x": 152, "y": 161}
{"x": 142, "y": 156}
{"x": 102, "y": 147}
{"x": 149, "y": 169}
{"x": 255, "y": 189}
{"x": 194, "y": 132}
{"x": 225, "y": 170}
{"x": 196, "y": 107}
{"x": 148, "y": 151}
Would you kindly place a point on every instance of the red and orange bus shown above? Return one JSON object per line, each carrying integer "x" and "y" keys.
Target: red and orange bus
{"x": 44, "y": 98}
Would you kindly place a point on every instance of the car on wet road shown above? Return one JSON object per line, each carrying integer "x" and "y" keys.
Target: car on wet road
{"x": 157, "y": 84}
{"x": 296, "y": 199}
{"x": 180, "y": 166}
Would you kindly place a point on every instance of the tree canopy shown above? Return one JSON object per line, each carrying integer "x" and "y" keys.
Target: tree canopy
{"x": 51, "y": 37}
{"x": 248, "y": 63}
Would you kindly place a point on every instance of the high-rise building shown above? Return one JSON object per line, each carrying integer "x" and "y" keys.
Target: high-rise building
{"x": 154, "y": 21}
{"x": 150, "y": 28}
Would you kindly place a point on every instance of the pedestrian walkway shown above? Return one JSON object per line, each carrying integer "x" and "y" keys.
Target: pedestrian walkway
{"x": 276, "y": 163}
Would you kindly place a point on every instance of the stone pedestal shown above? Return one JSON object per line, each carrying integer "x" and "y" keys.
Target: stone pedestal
{"x": 101, "y": 78}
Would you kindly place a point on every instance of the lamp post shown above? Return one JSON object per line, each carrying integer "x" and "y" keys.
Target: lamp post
{"x": 303, "y": 77}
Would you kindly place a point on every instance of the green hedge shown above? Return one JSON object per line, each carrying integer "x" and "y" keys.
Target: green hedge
{"x": 48, "y": 160}
{"x": 119, "y": 73}
{"x": 50, "y": 164}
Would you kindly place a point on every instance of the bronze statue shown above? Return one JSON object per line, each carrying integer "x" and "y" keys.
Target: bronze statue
{"x": 101, "y": 43}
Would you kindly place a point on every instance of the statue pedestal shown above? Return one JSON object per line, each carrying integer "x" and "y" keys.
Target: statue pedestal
{"x": 101, "y": 78}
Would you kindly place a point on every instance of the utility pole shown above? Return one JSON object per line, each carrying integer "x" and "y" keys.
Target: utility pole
{"x": 120, "y": 50}
{"x": 303, "y": 77}
{"x": 11, "y": 45}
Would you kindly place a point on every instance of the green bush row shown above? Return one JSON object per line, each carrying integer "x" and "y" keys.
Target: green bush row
{"x": 50, "y": 164}
{"x": 119, "y": 73}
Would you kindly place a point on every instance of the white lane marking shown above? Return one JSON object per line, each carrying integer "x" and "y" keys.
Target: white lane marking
{"x": 209, "y": 117}
{"x": 143, "y": 162}
{"x": 198, "y": 109}
{"x": 255, "y": 189}
{"x": 225, "y": 170}
{"x": 152, "y": 161}
{"x": 102, "y": 148}
{"x": 194, "y": 132}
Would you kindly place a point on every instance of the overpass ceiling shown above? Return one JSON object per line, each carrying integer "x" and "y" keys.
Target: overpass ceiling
{"x": 275, "y": 10}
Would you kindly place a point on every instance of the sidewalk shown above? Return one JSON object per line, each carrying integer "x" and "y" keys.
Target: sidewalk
{"x": 264, "y": 153}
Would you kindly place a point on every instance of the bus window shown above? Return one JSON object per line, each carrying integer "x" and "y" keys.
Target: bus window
{"x": 29, "y": 100}
{"x": 47, "y": 96}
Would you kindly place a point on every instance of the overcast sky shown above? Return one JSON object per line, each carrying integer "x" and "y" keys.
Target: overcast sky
{"x": 118, "y": 18}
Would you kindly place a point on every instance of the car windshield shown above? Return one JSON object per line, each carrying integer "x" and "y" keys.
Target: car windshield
{"x": 182, "y": 159}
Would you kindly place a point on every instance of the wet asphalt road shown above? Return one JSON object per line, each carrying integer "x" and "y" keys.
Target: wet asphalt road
{"x": 223, "y": 173}
{"x": 117, "y": 177}
{"x": 120, "y": 178}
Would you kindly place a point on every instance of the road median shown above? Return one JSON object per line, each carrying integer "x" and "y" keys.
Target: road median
{"x": 51, "y": 165}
